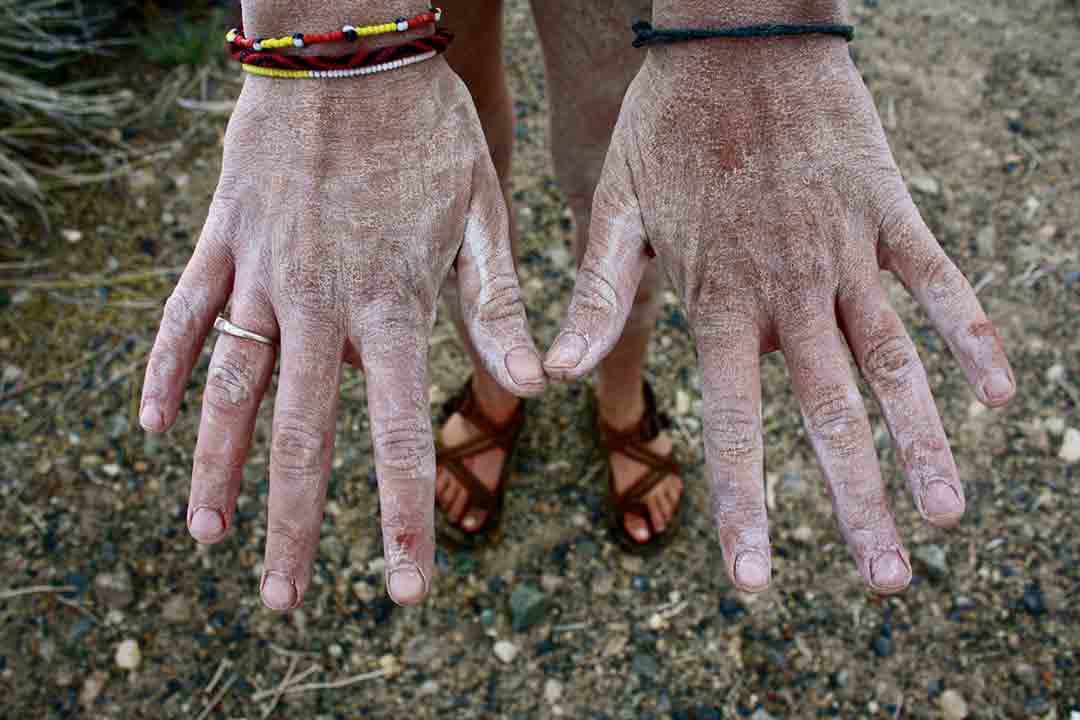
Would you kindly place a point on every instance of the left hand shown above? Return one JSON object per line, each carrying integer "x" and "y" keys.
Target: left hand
{"x": 759, "y": 174}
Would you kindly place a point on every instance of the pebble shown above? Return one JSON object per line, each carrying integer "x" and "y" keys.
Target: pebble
{"x": 762, "y": 714}
{"x": 553, "y": 690}
{"x": 883, "y": 646}
{"x": 92, "y": 687}
{"x": 114, "y": 589}
{"x": 1033, "y": 599}
{"x": 128, "y": 655}
{"x": 1055, "y": 426}
{"x": 421, "y": 650}
{"x": 933, "y": 557}
{"x": 429, "y": 688}
{"x": 176, "y": 609}
{"x": 632, "y": 564}
{"x": 527, "y": 607}
{"x": 550, "y": 583}
{"x": 506, "y": 651}
{"x": 803, "y": 534}
{"x": 640, "y": 583}
{"x": 71, "y": 235}
{"x": 953, "y": 705}
{"x": 1070, "y": 446}
{"x": 925, "y": 184}
{"x": 644, "y": 664}
{"x": 363, "y": 591}
{"x": 986, "y": 241}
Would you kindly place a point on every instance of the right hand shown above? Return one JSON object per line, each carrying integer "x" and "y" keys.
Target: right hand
{"x": 342, "y": 207}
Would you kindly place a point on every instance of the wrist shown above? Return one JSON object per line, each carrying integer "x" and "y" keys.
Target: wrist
{"x": 712, "y": 14}
{"x": 278, "y": 18}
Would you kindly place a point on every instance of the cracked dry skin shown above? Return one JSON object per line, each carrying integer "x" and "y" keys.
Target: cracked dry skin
{"x": 978, "y": 101}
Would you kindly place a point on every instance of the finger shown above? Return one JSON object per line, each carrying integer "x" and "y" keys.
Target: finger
{"x": 608, "y": 278}
{"x": 395, "y": 356}
{"x": 910, "y": 251}
{"x": 190, "y": 311}
{"x": 491, "y": 301}
{"x": 236, "y": 382}
{"x": 301, "y": 450}
{"x": 890, "y": 363}
{"x": 728, "y": 349}
{"x": 839, "y": 430}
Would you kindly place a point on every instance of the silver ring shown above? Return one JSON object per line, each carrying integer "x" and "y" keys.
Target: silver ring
{"x": 223, "y": 325}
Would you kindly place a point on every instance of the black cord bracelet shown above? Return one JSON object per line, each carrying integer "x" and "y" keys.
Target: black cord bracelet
{"x": 646, "y": 34}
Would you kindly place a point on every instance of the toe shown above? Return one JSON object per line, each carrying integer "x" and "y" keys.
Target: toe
{"x": 637, "y": 527}
{"x": 457, "y": 509}
{"x": 658, "y": 511}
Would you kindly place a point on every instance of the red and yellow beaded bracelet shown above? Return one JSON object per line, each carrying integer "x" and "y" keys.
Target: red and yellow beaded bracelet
{"x": 348, "y": 33}
{"x": 364, "y": 62}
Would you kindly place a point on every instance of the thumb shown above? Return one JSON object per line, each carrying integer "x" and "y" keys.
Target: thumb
{"x": 490, "y": 296}
{"x": 607, "y": 279}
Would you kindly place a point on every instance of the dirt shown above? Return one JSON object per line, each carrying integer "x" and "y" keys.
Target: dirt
{"x": 982, "y": 106}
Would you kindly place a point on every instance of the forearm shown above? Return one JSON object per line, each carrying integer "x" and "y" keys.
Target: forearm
{"x": 709, "y": 13}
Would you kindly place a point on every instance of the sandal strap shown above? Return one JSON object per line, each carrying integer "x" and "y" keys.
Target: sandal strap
{"x": 494, "y": 436}
{"x": 633, "y": 442}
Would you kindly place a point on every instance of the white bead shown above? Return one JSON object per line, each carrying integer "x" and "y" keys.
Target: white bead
{"x": 348, "y": 29}
{"x": 257, "y": 47}
{"x": 402, "y": 26}
{"x": 298, "y": 42}
{"x": 438, "y": 15}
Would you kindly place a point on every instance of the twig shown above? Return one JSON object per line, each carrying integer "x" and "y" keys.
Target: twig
{"x": 81, "y": 608}
{"x": 291, "y": 653}
{"x": 293, "y": 662}
{"x": 24, "y": 264}
{"x": 93, "y": 281}
{"x": 263, "y": 694}
{"x": 984, "y": 282}
{"x": 346, "y": 682}
{"x": 221, "y": 668}
{"x": 213, "y": 107}
{"x": 217, "y": 698}
{"x": 36, "y": 590}
{"x": 572, "y": 627}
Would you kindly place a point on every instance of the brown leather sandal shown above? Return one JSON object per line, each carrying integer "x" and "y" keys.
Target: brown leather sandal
{"x": 633, "y": 443}
{"x": 493, "y": 435}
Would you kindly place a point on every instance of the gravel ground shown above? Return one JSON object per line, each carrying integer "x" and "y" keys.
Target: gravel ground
{"x": 982, "y": 104}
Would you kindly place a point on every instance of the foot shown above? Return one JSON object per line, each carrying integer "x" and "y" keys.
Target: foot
{"x": 453, "y": 497}
{"x": 663, "y": 501}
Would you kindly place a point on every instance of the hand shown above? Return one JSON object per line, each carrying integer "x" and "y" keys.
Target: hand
{"x": 760, "y": 176}
{"x": 342, "y": 207}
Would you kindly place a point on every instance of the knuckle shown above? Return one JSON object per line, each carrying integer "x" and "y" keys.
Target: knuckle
{"x": 595, "y": 292}
{"x": 838, "y": 422}
{"x": 944, "y": 281}
{"x": 733, "y": 435}
{"x": 404, "y": 449}
{"x": 297, "y": 448}
{"x": 890, "y": 361}
{"x": 502, "y": 301}
{"x": 180, "y": 318}
{"x": 229, "y": 386}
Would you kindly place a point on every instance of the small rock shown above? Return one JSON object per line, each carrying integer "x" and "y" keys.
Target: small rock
{"x": 640, "y": 583}
{"x": 421, "y": 650}
{"x": 933, "y": 558}
{"x": 762, "y": 714}
{"x": 632, "y": 564}
{"x": 682, "y": 402}
{"x": 1033, "y": 599}
{"x": 487, "y": 617}
{"x": 552, "y": 691}
{"x": 111, "y": 469}
{"x": 141, "y": 179}
{"x": 883, "y": 646}
{"x": 1055, "y": 426}
{"x": 803, "y": 534}
{"x": 72, "y": 236}
{"x": 428, "y": 689}
{"x": 1070, "y": 446}
{"x": 176, "y": 609}
{"x": 114, "y": 589}
{"x": 506, "y": 651}
{"x": 128, "y": 655}
{"x": 550, "y": 583}
{"x": 645, "y": 665}
{"x": 363, "y": 591}
{"x": 925, "y": 184}
{"x": 92, "y": 687}
{"x": 1055, "y": 373}
{"x": 953, "y": 705}
{"x": 390, "y": 666}
{"x": 527, "y": 607}
{"x": 986, "y": 241}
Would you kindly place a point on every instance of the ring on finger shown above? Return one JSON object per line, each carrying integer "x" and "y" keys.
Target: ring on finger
{"x": 222, "y": 324}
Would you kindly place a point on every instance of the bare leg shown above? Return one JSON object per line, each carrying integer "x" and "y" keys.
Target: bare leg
{"x": 476, "y": 56}
{"x": 589, "y": 64}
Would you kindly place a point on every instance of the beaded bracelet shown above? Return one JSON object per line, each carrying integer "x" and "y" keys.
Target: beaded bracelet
{"x": 348, "y": 33}
{"x": 333, "y": 74}
{"x": 436, "y": 43}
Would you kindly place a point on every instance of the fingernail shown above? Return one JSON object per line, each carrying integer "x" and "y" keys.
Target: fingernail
{"x": 278, "y": 591}
{"x": 151, "y": 418}
{"x": 524, "y": 367}
{"x": 206, "y": 524}
{"x": 752, "y": 570}
{"x": 568, "y": 351}
{"x": 889, "y": 571}
{"x": 941, "y": 501}
{"x": 998, "y": 387}
{"x": 406, "y": 585}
